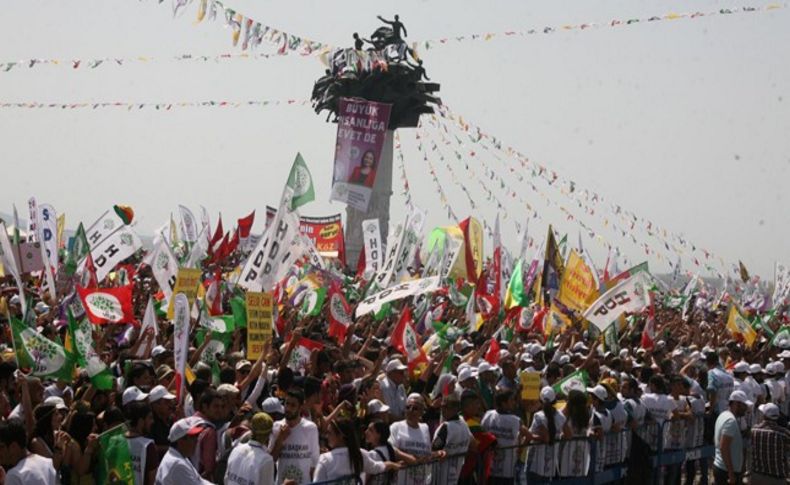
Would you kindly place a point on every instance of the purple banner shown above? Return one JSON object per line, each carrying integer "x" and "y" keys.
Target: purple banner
{"x": 361, "y": 128}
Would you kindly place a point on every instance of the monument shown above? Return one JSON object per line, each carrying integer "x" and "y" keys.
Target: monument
{"x": 378, "y": 75}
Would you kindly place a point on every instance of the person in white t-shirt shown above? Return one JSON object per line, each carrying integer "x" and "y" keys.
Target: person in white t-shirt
{"x": 508, "y": 430}
{"x": 23, "y": 468}
{"x": 250, "y": 463}
{"x": 548, "y": 427}
{"x": 346, "y": 458}
{"x": 175, "y": 468}
{"x": 294, "y": 442}
{"x": 413, "y": 437}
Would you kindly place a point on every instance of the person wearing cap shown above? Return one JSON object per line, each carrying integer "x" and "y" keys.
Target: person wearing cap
{"x": 163, "y": 405}
{"x": 392, "y": 390}
{"x": 487, "y": 377}
{"x": 727, "y": 438}
{"x": 21, "y": 466}
{"x": 176, "y": 468}
{"x": 509, "y": 374}
{"x": 452, "y": 436}
{"x": 509, "y": 432}
{"x": 466, "y": 379}
{"x": 274, "y": 408}
{"x": 132, "y": 394}
{"x": 294, "y": 442}
{"x": 774, "y": 383}
{"x": 412, "y": 436}
{"x": 770, "y": 450}
{"x": 720, "y": 384}
{"x": 548, "y": 426}
{"x": 250, "y": 463}
{"x": 376, "y": 410}
{"x": 142, "y": 449}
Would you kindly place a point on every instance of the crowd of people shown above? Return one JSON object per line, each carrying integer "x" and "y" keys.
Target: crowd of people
{"x": 359, "y": 409}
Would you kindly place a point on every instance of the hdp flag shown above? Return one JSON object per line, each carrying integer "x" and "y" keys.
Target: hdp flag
{"x": 80, "y": 342}
{"x": 115, "y": 460}
{"x": 301, "y": 182}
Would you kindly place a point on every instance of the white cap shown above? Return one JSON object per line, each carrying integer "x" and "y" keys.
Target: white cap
{"x": 779, "y": 367}
{"x": 465, "y": 344}
{"x": 41, "y": 307}
{"x": 547, "y": 395}
{"x": 394, "y": 365}
{"x": 486, "y": 367}
{"x": 740, "y": 396}
{"x": 526, "y": 357}
{"x": 565, "y": 359}
{"x": 132, "y": 394}
{"x": 159, "y": 392}
{"x": 769, "y": 410}
{"x": 375, "y": 406}
{"x": 465, "y": 374}
{"x": 503, "y": 353}
{"x": 598, "y": 391}
{"x": 158, "y": 350}
{"x": 272, "y": 405}
{"x": 56, "y": 401}
{"x": 580, "y": 347}
{"x": 623, "y": 353}
{"x": 242, "y": 364}
{"x": 190, "y": 426}
{"x": 785, "y": 354}
{"x": 755, "y": 369}
{"x": 741, "y": 367}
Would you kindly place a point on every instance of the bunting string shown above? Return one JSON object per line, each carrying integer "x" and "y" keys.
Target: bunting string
{"x": 584, "y": 198}
{"x": 589, "y": 26}
{"x": 439, "y": 189}
{"x": 162, "y": 106}
{"x": 404, "y": 179}
{"x": 87, "y": 64}
{"x": 251, "y": 33}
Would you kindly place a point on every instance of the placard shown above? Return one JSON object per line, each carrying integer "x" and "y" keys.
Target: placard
{"x": 187, "y": 282}
{"x": 530, "y": 386}
{"x": 259, "y": 322}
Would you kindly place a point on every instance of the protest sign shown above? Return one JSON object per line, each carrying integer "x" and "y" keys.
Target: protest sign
{"x": 187, "y": 281}
{"x": 326, "y": 233}
{"x": 361, "y": 129}
{"x": 259, "y": 322}
{"x": 530, "y": 386}
{"x": 630, "y": 295}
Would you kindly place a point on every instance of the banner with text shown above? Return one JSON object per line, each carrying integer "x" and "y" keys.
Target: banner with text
{"x": 325, "y": 232}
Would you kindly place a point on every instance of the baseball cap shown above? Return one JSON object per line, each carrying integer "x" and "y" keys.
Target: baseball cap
{"x": 375, "y": 406}
{"x": 598, "y": 391}
{"x": 159, "y": 392}
{"x": 755, "y": 369}
{"x": 158, "y": 350}
{"x": 242, "y": 364}
{"x": 769, "y": 410}
{"x": 191, "y": 426}
{"x": 741, "y": 367}
{"x": 261, "y": 426}
{"x": 56, "y": 401}
{"x": 547, "y": 395}
{"x": 465, "y": 344}
{"x": 465, "y": 374}
{"x": 394, "y": 365}
{"x": 580, "y": 347}
{"x": 132, "y": 394}
{"x": 785, "y": 354}
{"x": 740, "y": 396}
{"x": 272, "y": 405}
{"x": 486, "y": 367}
{"x": 565, "y": 359}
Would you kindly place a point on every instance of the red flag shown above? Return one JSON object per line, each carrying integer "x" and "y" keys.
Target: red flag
{"x": 538, "y": 319}
{"x": 233, "y": 244}
{"x": 492, "y": 356}
{"x": 406, "y": 340}
{"x": 108, "y": 305}
{"x": 486, "y": 303}
{"x": 339, "y": 313}
{"x": 497, "y": 267}
{"x": 649, "y": 332}
{"x": 245, "y": 225}
{"x": 217, "y": 234}
{"x": 214, "y": 293}
{"x": 471, "y": 268}
{"x": 222, "y": 251}
{"x": 361, "y": 263}
{"x": 89, "y": 278}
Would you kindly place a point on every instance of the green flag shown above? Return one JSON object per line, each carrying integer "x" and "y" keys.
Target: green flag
{"x": 301, "y": 182}
{"x": 313, "y": 302}
{"x": 80, "y": 343}
{"x": 239, "y": 309}
{"x": 115, "y": 460}
{"x": 515, "y": 295}
{"x": 576, "y": 381}
{"x": 44, "y": 357}
{"x": 782, "y": 337}
{"x": 78, "y": 249}
{"x": 610, "y": 341}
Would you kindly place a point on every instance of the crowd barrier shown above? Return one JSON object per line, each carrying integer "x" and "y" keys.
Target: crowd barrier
{"x": 579, "y": 461}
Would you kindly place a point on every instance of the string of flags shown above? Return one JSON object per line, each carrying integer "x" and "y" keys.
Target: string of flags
{"x": 614, "y": 23}
{"x": 584, "y": 198}
{"x": 251, "y": 33}
{"x": 88, "y": 64}
{"x": 404, "y": 179}
{"x": 162, "y": 106}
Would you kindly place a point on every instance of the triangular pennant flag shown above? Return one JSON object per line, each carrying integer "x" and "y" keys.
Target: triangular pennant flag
{"x": 301, "y": 182}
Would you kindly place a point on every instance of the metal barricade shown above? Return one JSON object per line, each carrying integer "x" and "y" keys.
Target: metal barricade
{"x": 577, "y": 461}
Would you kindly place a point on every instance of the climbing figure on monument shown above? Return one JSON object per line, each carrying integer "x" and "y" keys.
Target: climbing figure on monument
{"x": 397, "y": 26}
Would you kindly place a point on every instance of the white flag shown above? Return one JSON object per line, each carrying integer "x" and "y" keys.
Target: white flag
{"x": 9, "y": 263}
{"x": 397, "y": 292}
{"x": 395, "y": 239}
{"x": 48, "y": 223}
{"x": 199, "y": 250}
{"x": 630, "y": 295}
{"x": 164, "y": 266}
{"x": 115, "y": 248}
{"x": 180, "y": 342}
{"x": 374, "y": 253}
{"x": 189, "y": 229}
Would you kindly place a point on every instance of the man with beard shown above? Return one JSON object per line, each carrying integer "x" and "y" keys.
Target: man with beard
{"x": 294, "y": 442}
{"x": 142, "y": 449}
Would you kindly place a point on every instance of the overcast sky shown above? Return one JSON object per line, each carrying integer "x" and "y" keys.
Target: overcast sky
{"x": 683, "y": 122}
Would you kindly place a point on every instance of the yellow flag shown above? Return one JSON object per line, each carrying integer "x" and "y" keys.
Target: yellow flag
{"x": 189, "y": 375}
{"x": 556, "y": 321}
{"x": 737, "y": 324}
{"x": 577, "y": 286}
{"x": 61, "y": 225}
